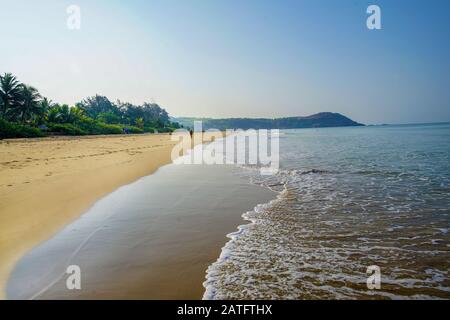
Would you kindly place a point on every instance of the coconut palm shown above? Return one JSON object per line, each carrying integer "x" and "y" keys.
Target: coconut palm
{"x": 29, "y": 104}
{"x": 64, "y": 114}
{"x": 42, "y": 111}
{"x": 76, "y": 113}
{"x": 10, "y": 93}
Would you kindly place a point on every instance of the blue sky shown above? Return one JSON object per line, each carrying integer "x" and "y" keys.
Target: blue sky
{"x": 230, "y": 58}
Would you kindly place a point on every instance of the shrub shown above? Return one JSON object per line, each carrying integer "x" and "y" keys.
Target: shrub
{"x": 91, "y": 126}
{"x": 13, "y": 130}
{"x": 165, "y": 130}
{"x": 149, "y": 129}
{"x": 66, "y": 129}
{"x": 133, "y": 129}
{"x": 103, "y": 128}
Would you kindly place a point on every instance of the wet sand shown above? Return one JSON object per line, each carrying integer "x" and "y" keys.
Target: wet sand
{"x": 47, "y": 183}
{"x": 152, "y": 239}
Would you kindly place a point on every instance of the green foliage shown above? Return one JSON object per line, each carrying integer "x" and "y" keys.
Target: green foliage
{"x": 14, "y": 130}
{"x": 63, "y": 114}
{"x": 133, "y": 129}
{"x": 139, "y": 123}
{"x": 91, "y": 126}
{"x": 66, "y": 129}
{"x": 23, "y": 104}
{"x": 109, "y": 118}
{"x": 96, "y": 105}
{"x": 103, "y": 128}
{"x": 150, "y": 129}
{"x": 28, "y": 107}
{"x": 165, "y": 130}
{"x": 88, "y": 125}
{"x": 42, "y": 111}
{"x": 10, "y": 93}
{"x": 147, "y": 115}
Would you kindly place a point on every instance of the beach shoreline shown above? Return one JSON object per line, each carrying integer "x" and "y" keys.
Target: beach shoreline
{"x": 47, "y": 183}
{"x": 149, "y": 240}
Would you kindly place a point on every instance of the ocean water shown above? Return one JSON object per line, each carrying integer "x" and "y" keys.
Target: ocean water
{"x": 348, "y": 198}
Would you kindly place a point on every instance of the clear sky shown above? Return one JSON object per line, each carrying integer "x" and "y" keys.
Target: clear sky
{"x": 236, "y": 58}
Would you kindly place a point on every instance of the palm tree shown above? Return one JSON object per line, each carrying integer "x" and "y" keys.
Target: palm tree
{"x": 76, "y": 113}
{"x": 29, "y": 104}
{"x": 53, "y": 114}
{"x": 43, "y": 109}
{"x": 64, "y": 114}
{"x": 10, "y": 91}
{"x": 139, "y": 123}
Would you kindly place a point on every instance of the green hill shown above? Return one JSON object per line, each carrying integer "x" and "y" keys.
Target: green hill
{"x": 319, "y": 120}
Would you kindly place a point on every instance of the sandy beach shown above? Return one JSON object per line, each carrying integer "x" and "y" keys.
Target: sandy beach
{"x": 152, "y": 239}
{"x": 47, "y": 183}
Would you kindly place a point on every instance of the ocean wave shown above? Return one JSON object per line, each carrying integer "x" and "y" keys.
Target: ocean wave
{"x": 316, "y": 239}
{"x": 212, "y": 271}
{"x": 340, "y": 209}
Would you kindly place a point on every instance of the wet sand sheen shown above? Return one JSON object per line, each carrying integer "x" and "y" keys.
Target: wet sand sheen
{"x": 153, "y": 239}
{"x": 46, "y": 183}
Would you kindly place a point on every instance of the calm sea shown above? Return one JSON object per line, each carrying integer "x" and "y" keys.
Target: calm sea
{"x": 349, "y": 198}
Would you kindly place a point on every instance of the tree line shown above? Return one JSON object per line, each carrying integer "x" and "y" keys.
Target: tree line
{"x": 24, "y": 112}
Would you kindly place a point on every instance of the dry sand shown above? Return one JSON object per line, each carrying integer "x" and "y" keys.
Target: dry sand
{"x": 47, "y": 183}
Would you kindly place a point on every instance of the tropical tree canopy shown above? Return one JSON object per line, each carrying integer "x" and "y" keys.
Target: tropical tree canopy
{"x": 23, "y": 104}
{"x": 10, "y": 93}
{"x": 28, "y": 107}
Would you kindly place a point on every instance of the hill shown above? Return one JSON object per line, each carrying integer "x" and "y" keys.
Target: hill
{"x": 319, "y": 120}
